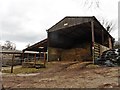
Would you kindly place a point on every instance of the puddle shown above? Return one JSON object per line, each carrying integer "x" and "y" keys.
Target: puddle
{"x": 31, "y": 74}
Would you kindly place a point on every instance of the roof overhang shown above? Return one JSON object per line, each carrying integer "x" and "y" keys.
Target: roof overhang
{"x": 38, "y": 47}
{"x": 76, "y": 28}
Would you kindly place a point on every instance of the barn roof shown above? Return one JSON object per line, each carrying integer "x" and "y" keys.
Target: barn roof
{"x": 71, "y": 21}
{"x": 40, "y": 46}
{"x": 15, "y": 52}
{"x": 11, "y": 51}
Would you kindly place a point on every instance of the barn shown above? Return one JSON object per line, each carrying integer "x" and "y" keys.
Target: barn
{"x": 75, "y": 39}
{"x": 78, "y": 38}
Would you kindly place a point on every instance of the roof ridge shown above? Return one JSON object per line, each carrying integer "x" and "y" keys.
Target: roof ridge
{"x": 79, "y": 16}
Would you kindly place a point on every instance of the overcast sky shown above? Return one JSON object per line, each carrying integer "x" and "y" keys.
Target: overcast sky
{"x": 26, "y": 21}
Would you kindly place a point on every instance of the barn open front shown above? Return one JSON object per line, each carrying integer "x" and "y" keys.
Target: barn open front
{"x": 70, "y": 44}
{"x": 72, "y": 39}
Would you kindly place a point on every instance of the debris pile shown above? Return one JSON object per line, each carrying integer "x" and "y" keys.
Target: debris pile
{"x": 109, "y": 58}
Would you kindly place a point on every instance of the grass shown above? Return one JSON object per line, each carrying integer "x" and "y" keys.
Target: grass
{"x": 92, "y": 66}
{"x": 27, "y": 70}
{"x": 22, "y": 70}
{"x": 48, "y": 65}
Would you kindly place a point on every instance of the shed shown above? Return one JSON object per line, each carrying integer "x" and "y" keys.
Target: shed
{"x": 40, "y": 48}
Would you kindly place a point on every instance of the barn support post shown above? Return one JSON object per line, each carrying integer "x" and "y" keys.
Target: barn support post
{"x": 47, "y": 53}
{"x": 12, "y": 63}
{"x": 28, "y": 57}
{"x": 102, "y": 37}
{"x": 39, "y": 55}
{"x": 22, "y": 56}
{"x": 93, "y": 39}
{"x": 47, "y": 45}
{"x": 35, "y": 58}
{"x": 44, "y": 58}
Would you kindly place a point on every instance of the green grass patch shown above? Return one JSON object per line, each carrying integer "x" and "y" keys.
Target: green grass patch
{"x": 27, "y": 70}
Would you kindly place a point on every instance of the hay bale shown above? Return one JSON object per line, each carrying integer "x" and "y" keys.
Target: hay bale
{"x": 54, "y": 53}
{"x": 68, "y": 55}
{"x": 75, "y": 54}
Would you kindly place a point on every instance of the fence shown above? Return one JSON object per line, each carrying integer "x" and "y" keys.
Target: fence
{"x": 99, "y": 49}
{"x": 7, "y": 61}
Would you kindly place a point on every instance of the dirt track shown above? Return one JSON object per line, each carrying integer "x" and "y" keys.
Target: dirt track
{"x": 66, "y": 75}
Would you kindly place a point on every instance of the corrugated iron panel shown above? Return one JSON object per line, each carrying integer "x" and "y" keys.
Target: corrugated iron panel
{"x": 68, "y": 22}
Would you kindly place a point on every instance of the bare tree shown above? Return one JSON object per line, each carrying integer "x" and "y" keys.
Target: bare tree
{"x": 8, "y": 45}
{"x": 91, "y": 4}
{"x": 108, "y": 25}
{"x": 28, "y": 45}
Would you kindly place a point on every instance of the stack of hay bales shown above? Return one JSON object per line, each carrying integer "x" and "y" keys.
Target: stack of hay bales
{"x": 68, "y": 55}
{"x": 75, "y": 54}
{"x": 79, "y": 52}
{"x": 54, "y": 53}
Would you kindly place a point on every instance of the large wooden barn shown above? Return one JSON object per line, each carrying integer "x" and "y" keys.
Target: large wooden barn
{"x": 75, "y": 38}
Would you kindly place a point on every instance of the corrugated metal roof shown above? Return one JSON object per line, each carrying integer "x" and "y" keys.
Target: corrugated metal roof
{"x": 70, "y": 21}
{"x": 16, "y": 52}
{"x": 11, "y": 51}
{"x": 38, "y": 46}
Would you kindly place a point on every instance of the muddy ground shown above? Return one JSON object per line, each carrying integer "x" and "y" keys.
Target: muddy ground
{"x": 66, "y": 75}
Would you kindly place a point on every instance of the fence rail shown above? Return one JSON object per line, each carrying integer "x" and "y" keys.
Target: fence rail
{"x": 99, "y": 49}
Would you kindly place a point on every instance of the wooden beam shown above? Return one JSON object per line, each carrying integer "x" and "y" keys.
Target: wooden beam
{"x": 47, "y": 53}
{"x": 44, "y": 58}
{"x": 12, "y": 63}
{"x": 28, "y": 57}
{"x": 92, "y": 28}
{"x": 40, "y": 54}
{"x": 93, "y": 39}
{"x": 102, "y": 37}
{"x": 35, "y": 58}
{"x": 22, "y": 56}
{"x": 48, "y": 45}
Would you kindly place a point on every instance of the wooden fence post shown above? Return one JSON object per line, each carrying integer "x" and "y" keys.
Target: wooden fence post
{"x": 22, "y": 57}
{"x": 12, "y": 63}
{"x": 35, "y": 58}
